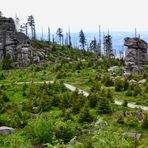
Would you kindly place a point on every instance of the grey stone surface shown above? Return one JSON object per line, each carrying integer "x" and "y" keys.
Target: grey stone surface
{"x": 136, "y": 54}
{"x": 114, "y": 69}
{"x": 126, "y": 74}
{"x": 143, "y": 81}
{"x": 4, "y": 130}
{"x": 18, "y": 46}
{"x": 132, "y": 82}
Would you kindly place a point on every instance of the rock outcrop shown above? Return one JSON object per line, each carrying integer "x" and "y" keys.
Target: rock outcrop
{"x": 17, "y": 45}
{"x": 136, "y": 54}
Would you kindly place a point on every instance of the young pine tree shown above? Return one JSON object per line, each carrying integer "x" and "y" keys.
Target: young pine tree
{"x": 82, "y": 38}
{"x": 104, "y": 106}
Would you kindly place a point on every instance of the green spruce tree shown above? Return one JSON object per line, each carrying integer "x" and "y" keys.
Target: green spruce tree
{"x": 82, "y": 39}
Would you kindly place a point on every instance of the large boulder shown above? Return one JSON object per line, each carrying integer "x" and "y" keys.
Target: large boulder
{"x": 143, "y": 81}
{"x": 4, "y": 130}
{"x": 126, "y": 75}
{"x": 132, "y": 82}
{"x": 114, "y": 69}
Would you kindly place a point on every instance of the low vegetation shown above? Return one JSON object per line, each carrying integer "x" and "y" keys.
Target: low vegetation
{"x": 50, "y": 115}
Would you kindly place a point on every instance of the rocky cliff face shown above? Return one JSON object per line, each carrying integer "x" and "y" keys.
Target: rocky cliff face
{"x": 136, "y": 55}
{"x": 17, "y": 45}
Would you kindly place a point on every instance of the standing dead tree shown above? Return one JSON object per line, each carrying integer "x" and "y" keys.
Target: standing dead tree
{"x": 60, "y": 35}
{"x": 49, "y": 34}
{"x": 108, "y": 45}
{"x": 31, "y": 23}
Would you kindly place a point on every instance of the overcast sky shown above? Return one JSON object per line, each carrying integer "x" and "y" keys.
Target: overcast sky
{"x": 123, "y": 15}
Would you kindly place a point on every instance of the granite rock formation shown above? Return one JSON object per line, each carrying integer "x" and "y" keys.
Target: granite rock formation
{"x": 17, "y": 45}
{"x": 136, "y": 55}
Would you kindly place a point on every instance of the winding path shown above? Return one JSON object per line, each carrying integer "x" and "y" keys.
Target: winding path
{"x": 117, "y": 102}
{"x": 73, "y": 88}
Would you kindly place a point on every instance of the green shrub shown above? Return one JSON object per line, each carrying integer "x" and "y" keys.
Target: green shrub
{"x": 129, "y": 92}
{"x": 17, "y": 140}
{"x": 6, "y": 63}
{"x": 145, "y": 121}
{"x": 65, "y": 131}
{"x": 79, "y": 65}
{"x": 96, "y": 87}
{"x": 107, "y": 137}
{"x": 90, "y": 63}
{"x": 119, "y": 84}
{"x": 108, "y": 81}
{"x": 37, "y": 68}
{"x": 125, "y": 103}
{"x": 18, "y": 117}
{"x": 67, "y": 114}
{"x": 40, "y": 130}
{"x": 109, "y": 95}
{"x": 61, "y": 75}
{"x": 120, "y": 119}
{"x": 126, "y": 84}
{"x": 45, "y": 101}
{"x": 2, "y": 76}
{"x": 93, "y": 99}
{"x": 84, "y": 115}
{"x": 104, "y": 106}
{"x": 146, "y": 88}
{"x": 3, "y": 100}
{"x": 137, "y": 90}
{"x": 131, "y": 120}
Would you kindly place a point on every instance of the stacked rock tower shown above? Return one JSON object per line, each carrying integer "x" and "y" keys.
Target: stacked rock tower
{"x": 136, "y": 55}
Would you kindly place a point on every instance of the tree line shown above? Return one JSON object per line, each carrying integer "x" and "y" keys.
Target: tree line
{"x": 66, "y": 39}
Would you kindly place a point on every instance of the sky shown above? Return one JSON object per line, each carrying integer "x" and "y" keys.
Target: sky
{"x": 115, "y": 15}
